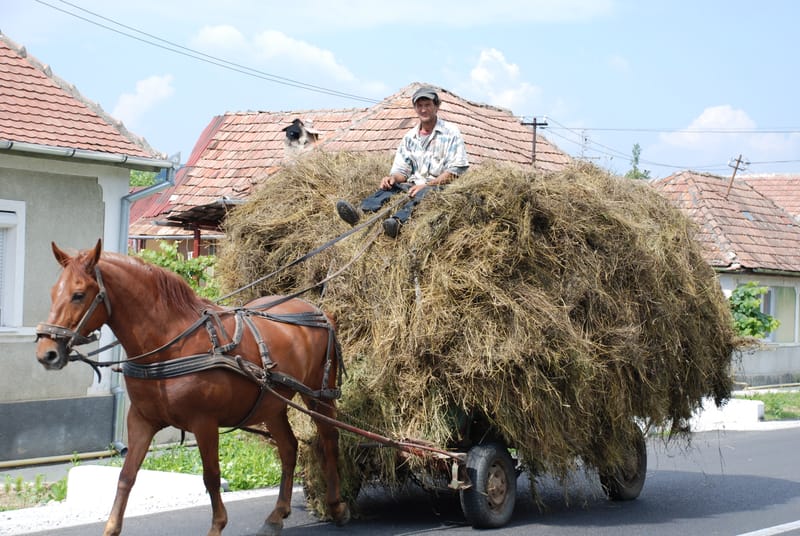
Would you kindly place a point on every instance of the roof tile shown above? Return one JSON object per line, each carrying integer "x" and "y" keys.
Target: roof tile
{"x": 247, "y": 145}
{"x": 39, "y": 108}
{"x": 741, "y": 225}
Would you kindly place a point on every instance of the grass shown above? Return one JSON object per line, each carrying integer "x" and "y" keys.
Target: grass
{"x": 778, "y": 406}
{"x": 16, "y": 493}
{"x": 246, "y": 462}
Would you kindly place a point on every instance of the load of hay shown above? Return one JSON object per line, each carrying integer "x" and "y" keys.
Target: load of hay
{"x": 553, "y": 309}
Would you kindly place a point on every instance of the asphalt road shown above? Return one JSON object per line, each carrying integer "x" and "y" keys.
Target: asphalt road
{"x": 723, "y": 483}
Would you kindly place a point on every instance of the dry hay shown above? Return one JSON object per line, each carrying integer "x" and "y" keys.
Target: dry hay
{"x": 554, "y": 307}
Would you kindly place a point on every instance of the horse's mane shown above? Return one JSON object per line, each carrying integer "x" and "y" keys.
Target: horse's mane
{"x": 171, "y": 287}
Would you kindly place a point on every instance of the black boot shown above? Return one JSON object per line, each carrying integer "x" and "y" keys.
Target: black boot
{"x": 347, "y": 212}
{"x": 391, "y": 226}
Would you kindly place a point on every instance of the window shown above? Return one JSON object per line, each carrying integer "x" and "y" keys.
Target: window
{"x": 12, "y": 257}
{"x": 780, "y": 302}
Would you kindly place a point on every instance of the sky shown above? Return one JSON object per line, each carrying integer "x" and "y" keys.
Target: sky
{"x": 695, "y": 83}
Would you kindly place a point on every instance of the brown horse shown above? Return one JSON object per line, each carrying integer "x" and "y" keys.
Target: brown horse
{"x": 164, "y": 328}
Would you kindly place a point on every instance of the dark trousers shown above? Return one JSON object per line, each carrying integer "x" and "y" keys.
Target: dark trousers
{"x": 374, "y": 202}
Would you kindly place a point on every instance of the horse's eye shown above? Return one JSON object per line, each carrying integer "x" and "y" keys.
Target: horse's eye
{"x": 78, "y": 297}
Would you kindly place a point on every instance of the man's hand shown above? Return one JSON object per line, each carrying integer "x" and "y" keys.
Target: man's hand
{"x": 387, "y": 182}
{"x": 416, "y": 188}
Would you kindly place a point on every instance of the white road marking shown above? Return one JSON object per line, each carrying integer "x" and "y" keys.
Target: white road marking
{"x": 777, "y": 529}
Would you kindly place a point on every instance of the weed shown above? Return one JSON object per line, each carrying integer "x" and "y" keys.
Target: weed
{"x": 246, "y": 461}
{"x": 778, "y": 406}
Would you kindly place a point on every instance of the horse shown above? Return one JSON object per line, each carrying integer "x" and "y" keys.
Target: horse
{"x": 200, "y": 380}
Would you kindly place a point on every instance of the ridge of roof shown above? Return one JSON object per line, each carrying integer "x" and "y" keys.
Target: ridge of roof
{"x": 137, "y": 145}
{"x": 740, "y": 226}
{"x": 247, "y": 147}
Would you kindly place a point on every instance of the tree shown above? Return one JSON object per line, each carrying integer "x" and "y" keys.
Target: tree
{"x": 142, "y": 178}
{"x": 635, "y": 172}
{"x": 748, "y": 318}
{"x": 198, "y": 272}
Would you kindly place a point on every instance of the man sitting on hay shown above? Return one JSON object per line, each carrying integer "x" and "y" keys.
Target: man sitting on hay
{"x": 430, "y": 155}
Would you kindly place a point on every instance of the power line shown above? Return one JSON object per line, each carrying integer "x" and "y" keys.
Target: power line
{"x": 197, "y": 55}
{"x": 610, "y": 152}
{"x": 614, "y": 153}
{"x": 695, "y": 130}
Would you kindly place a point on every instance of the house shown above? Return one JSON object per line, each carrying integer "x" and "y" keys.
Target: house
{"x": 237, "y": 151}
{"x": 749, "y": 231}
{"x": 64, "y": 177}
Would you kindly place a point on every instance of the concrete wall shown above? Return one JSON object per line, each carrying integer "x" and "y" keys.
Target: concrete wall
{"x": 73, "y": 204}
{"x": 772, "y": 363}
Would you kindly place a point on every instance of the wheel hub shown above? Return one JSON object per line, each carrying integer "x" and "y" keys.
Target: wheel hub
{"x": 496, "y": 486}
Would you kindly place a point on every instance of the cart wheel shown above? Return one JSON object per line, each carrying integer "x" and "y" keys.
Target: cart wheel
{"x": 489, "y": 502}
{"x": 626, "y": 482}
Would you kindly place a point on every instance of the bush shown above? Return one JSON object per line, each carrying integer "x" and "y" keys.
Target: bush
{"x": 198, "y": 272}
{"x": 748, "y": 318}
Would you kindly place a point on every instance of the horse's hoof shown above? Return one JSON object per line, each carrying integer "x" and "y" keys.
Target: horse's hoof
{"x": 270, "y": 529}
{"x": 341, "y": 514}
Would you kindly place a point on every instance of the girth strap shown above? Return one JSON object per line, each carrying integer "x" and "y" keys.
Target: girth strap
{"x": 200, "y": 362}
{"x": 179, "y": 366}
{"x": 219, "y": 357}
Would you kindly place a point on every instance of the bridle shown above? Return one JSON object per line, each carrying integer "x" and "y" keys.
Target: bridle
{"x": 72, "y": 337}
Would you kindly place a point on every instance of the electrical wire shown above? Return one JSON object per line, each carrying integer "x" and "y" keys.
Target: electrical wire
{"x": 199, "y": 56}
{"x": 612, "y": 153}
{"x": 583, "y": 141}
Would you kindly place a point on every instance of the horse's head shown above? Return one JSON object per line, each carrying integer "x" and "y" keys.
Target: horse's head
{"x": 74, "y": 314}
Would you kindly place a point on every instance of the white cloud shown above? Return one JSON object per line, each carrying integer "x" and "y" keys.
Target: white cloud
{"x": 273, "y": 44}
{"x": 275, "y": 51}
{"x": 619, "y": 64}
{"x": 149, "y": 92}
{"x": 499, "y": 82}
{"x": 223, "y": 37}
{"x": 723, "y": 117}
{"x": 721, "y": 133}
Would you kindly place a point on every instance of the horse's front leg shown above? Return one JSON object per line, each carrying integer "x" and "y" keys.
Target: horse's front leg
{"x": 207, "y": 436}
{"x": 281, "y": 432}
{"x": 140, "y": 433}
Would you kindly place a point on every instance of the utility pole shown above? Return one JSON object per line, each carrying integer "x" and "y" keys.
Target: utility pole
{"x": 736, "y": 165}
{"x": 535, "y": 123}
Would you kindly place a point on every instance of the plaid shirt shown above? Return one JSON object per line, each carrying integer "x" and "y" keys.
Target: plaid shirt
{"x": 419, "y": 158}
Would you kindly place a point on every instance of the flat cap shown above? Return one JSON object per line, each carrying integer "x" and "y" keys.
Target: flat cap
{"x": 425, "y": 92}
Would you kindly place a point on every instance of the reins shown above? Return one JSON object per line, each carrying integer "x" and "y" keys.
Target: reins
{"x": 73, "y": 337}
{"x": 388, "y": 208}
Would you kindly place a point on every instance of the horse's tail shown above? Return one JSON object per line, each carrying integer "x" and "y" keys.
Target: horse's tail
{"x": 335, "y": 349}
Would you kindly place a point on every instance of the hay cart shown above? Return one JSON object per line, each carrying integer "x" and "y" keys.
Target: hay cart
{"x": 483, "y": 468}
{"x": 555, "y": 310}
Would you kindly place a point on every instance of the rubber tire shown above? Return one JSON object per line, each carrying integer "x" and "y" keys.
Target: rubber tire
{"x": 622, "y": 485}
{"x": 489, "y": 502}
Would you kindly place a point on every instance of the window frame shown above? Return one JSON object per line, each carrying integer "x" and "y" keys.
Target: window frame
{"x": 769, "y": 306}
{"x": 12, "y": 272}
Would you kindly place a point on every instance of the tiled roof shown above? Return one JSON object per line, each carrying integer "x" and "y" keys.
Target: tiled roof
{"x": 489, "y": 132}
{"x": 39, "y": 108}
{"x": 783, "y": 189}
{"x": 245, "y": 148}
{"x": 741, "y": 228}
{"x": 144, "y": 211}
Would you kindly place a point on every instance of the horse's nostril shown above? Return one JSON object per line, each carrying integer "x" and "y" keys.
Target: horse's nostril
{"x": 50, "y": 357}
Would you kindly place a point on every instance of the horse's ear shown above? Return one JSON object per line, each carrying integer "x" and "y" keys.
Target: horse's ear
{"x": 98, "y": 249}
{"x": 62, "y": 257}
